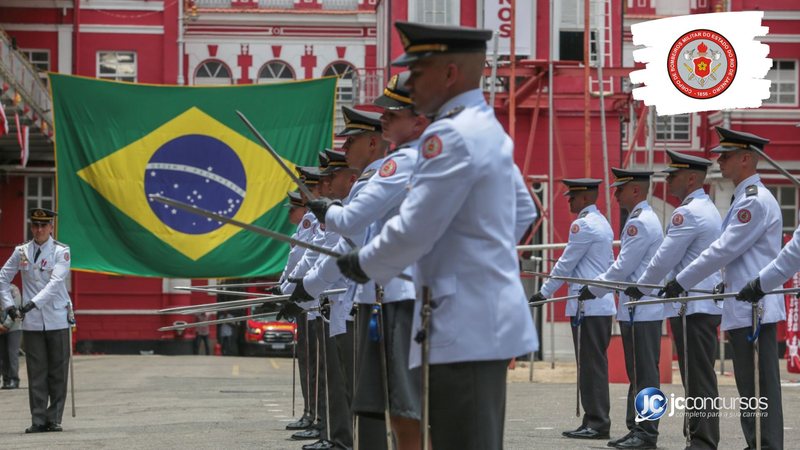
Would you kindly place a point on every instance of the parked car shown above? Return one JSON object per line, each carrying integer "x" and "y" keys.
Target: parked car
{"x": 268, "y": 337}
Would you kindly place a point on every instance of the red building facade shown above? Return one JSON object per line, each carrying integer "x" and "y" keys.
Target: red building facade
{"x": 261, "y": 41}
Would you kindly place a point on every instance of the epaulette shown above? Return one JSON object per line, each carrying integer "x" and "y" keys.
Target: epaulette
{"x": 583, "y": 214}
{"x": 687, "y": 201}
{"x": 452, "y": 113}
{"x": 751, "y": 190}
{"x": 60, "y": 244}
{"x": 367, "y": 175}
{"x": 25, "y": 243}
{"x": 636, "y": 213}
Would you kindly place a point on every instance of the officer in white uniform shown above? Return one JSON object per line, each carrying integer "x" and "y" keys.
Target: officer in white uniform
{"x": 337, "y": 329}
{"x": 459, "y": 223}
{"x": 694, "y": 226}
{"x": 44, "y": 266}
{"x": 297, "y": 206}
{"x": 640, "y": 327}
{"x": 588, "y": 254}
{"x": 750, "y": 240}
{"x": 307, "y": 330}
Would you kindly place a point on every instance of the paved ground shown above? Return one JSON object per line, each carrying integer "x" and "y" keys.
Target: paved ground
{"x": 157, "y": 402}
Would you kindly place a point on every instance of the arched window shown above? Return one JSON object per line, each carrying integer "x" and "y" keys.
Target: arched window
{"x": 212, "y": 72}
{"x": 275, "y": 71}
{"x": 346, "y": 88}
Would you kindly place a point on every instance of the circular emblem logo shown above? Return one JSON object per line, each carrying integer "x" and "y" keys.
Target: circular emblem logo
{"x": 199, "y": 170}
{"x": 632, "y": 230}
{"x": 388, "y": 169}
{"x": 677, "y": 220}
{"x": 66, "y": 256}
{"x": 575, "y": 228}
{"x": 432, "y": 147}
{"x": 650, "y": 404}
{"x": 322, "y": 226}
{"x": 702, "y": 64}
{"x": 744, "y": 216}
{"x": 306, "y": 223}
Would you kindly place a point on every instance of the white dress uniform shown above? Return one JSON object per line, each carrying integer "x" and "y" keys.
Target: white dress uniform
{"x": 641, "y": 239}
{"x": 459, "y": 223}
{"x": 694, "y": 226}
{"x": 43, "y": 283}
{"x": 588, "y": 254}
{"x": 750, "y": 240}
{"x": 303, "y": 233}
{"x": 45, "y": 328}
{"x": 307, "y": 260}
{"x": 782, "y": 268}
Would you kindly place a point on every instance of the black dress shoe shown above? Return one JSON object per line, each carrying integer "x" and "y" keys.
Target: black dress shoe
{"x": 308, "y": 434}
{"x": 614, "y": 442}
{"x": 36, "y": 429}
{"x": 635, "y": 442}
{"x": 322, "y": 444}
{"x": 54, "y": 427}
{"x": 13, "y": 384}
{"x": 6, "y": 384}
{"x": 301, "y": 424}
{"x": 585, "y": 433}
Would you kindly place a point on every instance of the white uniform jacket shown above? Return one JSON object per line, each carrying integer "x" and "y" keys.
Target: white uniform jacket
{"x": 459, "y": 223}
{"x": 314, "y": 236}
{"x": 694, "y": 226}
{"x": 588, "y": 254}
{"x": 640, "y": 238}
{"x": 304, "y": 233}
{"x": 783, "y": 267}
{"x": 43, "y": 283}
{"x": 750, "y": 239}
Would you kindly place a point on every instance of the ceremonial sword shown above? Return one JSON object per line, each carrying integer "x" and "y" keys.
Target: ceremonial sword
{"x": 609, "y": 284}
{"x": 282, "y": 163}
{"x": 553, "y": 300}
{"x": 656, "y": 301}
{"x": 254, "y": 228}
{"x": 232, "y": 285}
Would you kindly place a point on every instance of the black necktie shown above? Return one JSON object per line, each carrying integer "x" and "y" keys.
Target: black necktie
{"x": 733, "y": 197}
{"x": 38, "y": 252}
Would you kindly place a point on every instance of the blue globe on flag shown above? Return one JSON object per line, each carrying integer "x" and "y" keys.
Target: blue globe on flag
{"x": 199, "y": 170}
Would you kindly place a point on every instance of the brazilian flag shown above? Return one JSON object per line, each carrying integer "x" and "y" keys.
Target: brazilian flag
{"x": 116, "y": 143}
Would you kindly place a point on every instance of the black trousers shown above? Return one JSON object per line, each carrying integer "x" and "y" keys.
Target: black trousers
{"x": 769, "y": 381}
{"x": 701, "y": 341}
{"x": 47, "y": 360}
{"x": 9, "y": 355}
{"x": 318, "y": 371}
{"x": 304, "y": 347}
{"x": 595, "y": 337}
{"x": 339, "y": 374}
{"x": 647, "y": 350}
{"x": 468, "y": 405}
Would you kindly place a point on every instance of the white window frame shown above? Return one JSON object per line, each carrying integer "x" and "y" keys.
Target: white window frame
{"x": 28, "y": 52}
{"x": 780, "y": 78}
{"x": 222, "y": 64}
{"x": 343, "y": 86}
{"x": 117, "y": 76}
{"x": 417, "y": 9}
{"x": 778, "y": 190}
{"x": 260, "y": 80}
{"x": 38, "y": 198}
{"x": 665, "y": 125}
{"x": 576, "y": 24}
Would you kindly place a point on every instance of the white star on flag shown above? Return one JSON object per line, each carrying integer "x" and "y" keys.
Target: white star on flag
{"x": 702, "y": 62}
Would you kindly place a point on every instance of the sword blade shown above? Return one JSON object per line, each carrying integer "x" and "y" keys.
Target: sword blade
{"x": 553, "y": 300}
{"x": 232, "y": 285}
{"x": 695, "y": 298}
{"x": 614, "y": 285}
{"x": 219, "y": 291}
{"x": 247, "y": 226}
{"x": 278, "y": 159}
